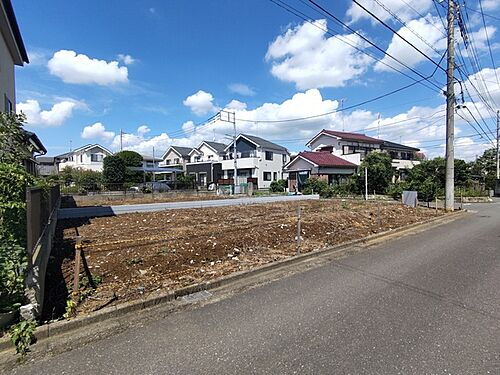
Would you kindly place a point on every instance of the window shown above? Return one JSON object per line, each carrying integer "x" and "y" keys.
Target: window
{"x": 167, "y": 162}
{"x": 345, "y": 150}
{"x": 176, "y": 161}
{"x": 197, "y": 159}
{"x": 275, "y": 176}
{"x": 269, "y": 155}
{"x": 267, "y": 176}
{"x": 284, "y": 158}
{"x": 81, "y": 158}
{"x": 8, "y": 108}
{"x": 210, "y": 157}
{"x": 96, "y": 157}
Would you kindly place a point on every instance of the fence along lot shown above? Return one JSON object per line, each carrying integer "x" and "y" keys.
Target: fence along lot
{"x": 70, "y": 213}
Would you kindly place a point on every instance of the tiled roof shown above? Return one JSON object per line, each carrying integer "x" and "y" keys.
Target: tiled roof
{"x": 352, "y": 136}
{"x": 326, "y": 159}
{"x": 393, "y": 145}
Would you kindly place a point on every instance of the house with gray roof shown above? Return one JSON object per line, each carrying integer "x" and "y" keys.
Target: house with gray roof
{"x": 257, "y": 160}
{"x": 205, "y": 162}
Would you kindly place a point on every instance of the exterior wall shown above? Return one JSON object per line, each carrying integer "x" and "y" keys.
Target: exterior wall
{"x": 324, "y": 140}
{"x": 83, "y": 159}
{"x": 7, "y": 80}
{"x": 338, "y": 149}
{"x": 200, "y": 169}
{"x": 170, "y": 160}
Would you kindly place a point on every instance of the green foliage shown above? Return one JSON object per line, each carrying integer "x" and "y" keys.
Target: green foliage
{"x": 396, "y": 190}
{"x": 132, "y": 159}
{"x": 185, "y": 181}
{"x": 428, "y": 178}
{"x": 316, "y": 186}
{"x": 380, "y": 172}
{"x": 13, "y": 146}
{"x": 278, "y": 186}
{"x": 70, "y": 309}
{"x": 22, "y": 335}
{"x": 13, "y": 182}
{"x": 84, "y": 180}
{"x": 113, "y": 170}
{"x": 349, "y": 187}
{"x": 484, "y": 168}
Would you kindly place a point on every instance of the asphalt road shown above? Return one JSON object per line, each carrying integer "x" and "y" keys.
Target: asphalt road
{"x": 428, "y": 303}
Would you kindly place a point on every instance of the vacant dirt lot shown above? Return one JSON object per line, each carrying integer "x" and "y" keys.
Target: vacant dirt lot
{"x": 134, "y": 255}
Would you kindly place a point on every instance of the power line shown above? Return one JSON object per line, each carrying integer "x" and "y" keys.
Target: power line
{"x": 488, "y": 42}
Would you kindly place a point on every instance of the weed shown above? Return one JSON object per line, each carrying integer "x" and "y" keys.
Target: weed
{"x": 133, "y": 261}
{"x": 22, "y": 335}
{"x": 70, "y": 309}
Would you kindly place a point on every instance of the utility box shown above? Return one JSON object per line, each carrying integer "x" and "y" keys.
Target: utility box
{"x": 410, "y": 198}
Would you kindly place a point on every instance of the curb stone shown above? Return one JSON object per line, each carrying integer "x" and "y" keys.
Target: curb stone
{"x": 65, "y": 326}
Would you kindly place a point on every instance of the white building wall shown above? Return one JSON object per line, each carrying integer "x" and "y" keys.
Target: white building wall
{"x": 83, "y": 160}
{"x": 325, "y": 140}
{"x": 274, "y": 166}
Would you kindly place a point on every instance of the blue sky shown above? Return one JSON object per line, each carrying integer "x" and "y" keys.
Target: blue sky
{"x": 157, "y": 68}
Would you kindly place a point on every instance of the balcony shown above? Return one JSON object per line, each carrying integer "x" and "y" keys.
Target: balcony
{"x": 404, "y": 164}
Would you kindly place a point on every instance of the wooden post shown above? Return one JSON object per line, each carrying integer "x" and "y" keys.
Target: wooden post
{"x": 436, "y": 203}
{"x": 76, "y": 278}
{"x": 298, "y": 230}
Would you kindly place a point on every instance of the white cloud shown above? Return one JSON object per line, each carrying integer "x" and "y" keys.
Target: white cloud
{"x": 143, "y": 129}
{"x": 97, "y": 131}
{"x": 398, "y": 7}
{"x": 126, "y": 59}
{"x": 55, "y": 116}
{"x": 424, "y": 27}
{"x": 200, "y": 103}
{"x": 490, "y": 4}
{"x": 79, "y": 68}
{"x": 306, "y": 57}
{"x": 236, "y": 105}
{"x": 241, "y": 88}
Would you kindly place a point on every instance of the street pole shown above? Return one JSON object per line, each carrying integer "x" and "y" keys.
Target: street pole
{"x": 450, "y": 112}
{"x": 342, "y": 113}
{"x": 498, "y": 137}
{"x": 366, "y": 183}
{"x": 154, "y": 163}
{"x": 121, "y": 140}
{"x": 235, "y": 171}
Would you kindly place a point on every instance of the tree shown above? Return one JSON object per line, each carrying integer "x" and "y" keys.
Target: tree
{"x": 484, "y": 168}
{"x": 132, "y": 159}
{"x": 380, "y": 172}
{"x": 114, "y": 170}
{"x": 278, "y": 186}
{"x": 13, "y": 148}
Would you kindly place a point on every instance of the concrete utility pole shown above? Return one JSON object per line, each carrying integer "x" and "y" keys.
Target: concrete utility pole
{"x": 498, "y": 140}
{"x": 366, "y": 183}
{"x": 235, "y": 172}
{"x": 450, "y": 112}
{"x": 154, "y": 163}
{"x": 121, "y": 140}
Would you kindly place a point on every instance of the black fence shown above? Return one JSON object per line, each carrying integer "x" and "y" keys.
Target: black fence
{"x": 40, "y": 204}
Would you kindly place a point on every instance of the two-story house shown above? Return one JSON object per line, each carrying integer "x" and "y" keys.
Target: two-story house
{"x": 173, "y": 162}
{"x": 257, "y": 160}
{"x": 88, "y": 157}
{"x": 205, "y": 162}
{"x": 353, "y": 147}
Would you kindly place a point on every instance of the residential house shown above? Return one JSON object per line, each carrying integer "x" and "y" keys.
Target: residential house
{"x": 205, "y": 162}
{"x": 12, "y": 52}
{"x": 149, "y": 162}
{"x": 33, "y": 146}
{"x": 88, "y": 157}
{"x": 354, "y": 147}
{"x": 317, "y": 164}
{"x": 257, "y": 160}
{"x": 173, "y": 162}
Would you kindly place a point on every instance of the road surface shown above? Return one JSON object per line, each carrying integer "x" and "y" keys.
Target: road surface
{"x": 428, "y": 303}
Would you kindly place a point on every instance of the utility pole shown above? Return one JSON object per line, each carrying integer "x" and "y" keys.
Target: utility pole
{"x": 366, "y": 183}
{"x": 498, "y": 140}
{"x": 121, "y": 140}
{"x": 450, "y": 111}
{"x": 70, "y": 145}
{"x": 154, "y": 164}
{"x": 378, "y": 126}
{"x": 235, "y": 172}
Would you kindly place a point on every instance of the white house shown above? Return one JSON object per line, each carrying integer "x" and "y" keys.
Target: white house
{"x": 257, "y": 160}
{"x": 88, "y": 157}
{"x": 354, "y": 147}
{"x": 205, "y": 162}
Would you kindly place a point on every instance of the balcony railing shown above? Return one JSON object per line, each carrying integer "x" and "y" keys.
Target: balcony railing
{"x": 241, "y": 155}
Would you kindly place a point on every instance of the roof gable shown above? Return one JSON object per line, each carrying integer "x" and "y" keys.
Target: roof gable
{"x": 357, "y": 137}
{"x": 326, "y": 159}
{"x": 259, "y": 142}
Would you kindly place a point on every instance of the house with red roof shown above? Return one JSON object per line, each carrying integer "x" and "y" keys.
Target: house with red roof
{"x": 318, "y": 164}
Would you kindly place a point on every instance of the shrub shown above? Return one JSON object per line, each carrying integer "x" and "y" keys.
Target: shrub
{"x": 13, "y": 182}
{"x": 113, "y": 170}
{"x": 278, "y": 186}
{"x": 317, "y": 186}
{"x": 396, "y": 190}
{"x": 379, "y": 166}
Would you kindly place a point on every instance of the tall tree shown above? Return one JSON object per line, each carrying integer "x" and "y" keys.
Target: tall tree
{"x": 380, "y": 172}
{"x": 113, "y": 170}
{"x": 132, "y": 160}
{"x": 484, "y": 168}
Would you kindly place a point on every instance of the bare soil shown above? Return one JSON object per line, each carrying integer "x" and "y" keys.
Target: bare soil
{"x": 136, "y": 255}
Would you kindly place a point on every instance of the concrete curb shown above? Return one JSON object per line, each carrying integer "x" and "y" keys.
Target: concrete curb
{"x": 65, "y": 326}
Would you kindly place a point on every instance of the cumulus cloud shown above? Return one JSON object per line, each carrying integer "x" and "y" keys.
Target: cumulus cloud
{"x": 236, "y": 105}
{"x": 305, "y": 56}
{"x": 143, "y": 129}
{"x": 200, "y": 103}
{"x": 55, "y": 116}
{"x": 81, "y": 69}
{"x": 425, "y": 28}
{"x": 126, "y": 59}
{"x": 97, "y": 131}
{"x": 399, "y": 7}
{"x": 241, "y": 89}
